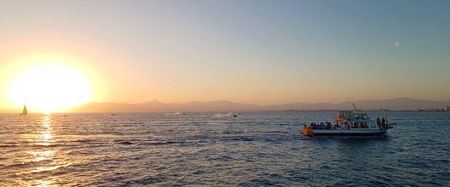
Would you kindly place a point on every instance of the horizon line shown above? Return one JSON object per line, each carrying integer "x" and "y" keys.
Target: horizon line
{"x": 243, "y": 107}
{"x": 262, "y": 105}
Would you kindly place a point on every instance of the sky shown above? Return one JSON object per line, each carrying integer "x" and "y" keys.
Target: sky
{"x": 253, "y": 51}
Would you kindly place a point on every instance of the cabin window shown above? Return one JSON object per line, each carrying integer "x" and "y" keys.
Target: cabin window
{"x": 365, "y": 125}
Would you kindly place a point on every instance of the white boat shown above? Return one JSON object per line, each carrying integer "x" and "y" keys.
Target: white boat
{"x": 348, "y": 123}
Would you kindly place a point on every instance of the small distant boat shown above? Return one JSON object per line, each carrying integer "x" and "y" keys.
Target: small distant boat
{"x": 225, "y": 115}
{"x": 348, "y": 124}
{"x": 25, "y": 110}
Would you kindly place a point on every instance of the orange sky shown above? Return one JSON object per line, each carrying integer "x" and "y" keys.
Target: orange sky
{"x": 242, "y": 52}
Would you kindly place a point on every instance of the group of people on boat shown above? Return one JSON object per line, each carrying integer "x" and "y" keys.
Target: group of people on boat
{"x": 382, "y": 123}
{"x": 321, "y": 125}
{"x": 327, "y": 125}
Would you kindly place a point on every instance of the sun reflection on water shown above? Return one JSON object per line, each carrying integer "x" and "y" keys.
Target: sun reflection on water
{"x": 42, "y": 155}
{"x": 45, "y": 156}
{"x": 45, "y": 132}
{"x": 42, "y": 183}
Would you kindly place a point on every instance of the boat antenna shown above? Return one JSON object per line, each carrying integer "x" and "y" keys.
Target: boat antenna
{"x": 354, "y": 106}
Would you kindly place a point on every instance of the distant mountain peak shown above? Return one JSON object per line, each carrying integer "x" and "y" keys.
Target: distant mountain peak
{"x": 153, "y": 101}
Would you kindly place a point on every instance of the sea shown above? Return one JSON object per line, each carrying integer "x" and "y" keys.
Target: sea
{"x": 217, "y": 149}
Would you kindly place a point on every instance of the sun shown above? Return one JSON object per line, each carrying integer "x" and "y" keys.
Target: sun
{"x": 50, "y": 88}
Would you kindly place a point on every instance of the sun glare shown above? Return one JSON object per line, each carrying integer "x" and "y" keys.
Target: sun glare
{"x": 50, "y": 88}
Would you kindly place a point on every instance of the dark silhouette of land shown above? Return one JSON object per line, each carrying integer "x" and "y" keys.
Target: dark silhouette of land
{"x": 397, "y": 104}
{"x": 401, "y": 104}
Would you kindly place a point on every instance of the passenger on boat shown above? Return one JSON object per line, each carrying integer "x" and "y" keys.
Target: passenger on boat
{"x": 383, "y": 122}
{"x": 322, "y": 125}
{"x": 348, "y": 126}
{"x": 378, "y": 122}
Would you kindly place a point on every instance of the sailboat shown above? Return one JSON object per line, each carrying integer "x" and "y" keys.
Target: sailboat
{"x": 24, "y": 111}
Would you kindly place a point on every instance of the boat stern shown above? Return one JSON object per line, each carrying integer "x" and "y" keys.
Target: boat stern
{"x": 308, "y": 131}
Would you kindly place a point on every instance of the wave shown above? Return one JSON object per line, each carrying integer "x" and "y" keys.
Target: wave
{"x": 223, "y": 115}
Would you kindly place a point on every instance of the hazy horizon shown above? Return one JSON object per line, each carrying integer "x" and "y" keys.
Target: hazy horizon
{"x": 399, "y": 104}
{"x": 253, "y": 52}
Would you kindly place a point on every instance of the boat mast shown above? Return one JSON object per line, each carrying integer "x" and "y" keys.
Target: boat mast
{"x": 354, "y": 106}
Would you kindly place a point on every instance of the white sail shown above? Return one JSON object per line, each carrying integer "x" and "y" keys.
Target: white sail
{"x": 25, "y": 110}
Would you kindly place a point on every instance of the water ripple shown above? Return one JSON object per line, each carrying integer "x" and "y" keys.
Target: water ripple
{"x": 254, "y": 149}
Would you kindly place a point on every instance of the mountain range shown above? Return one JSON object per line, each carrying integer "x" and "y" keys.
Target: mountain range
{"x": 228, "y": 106}
{"x": 224, "y": 106}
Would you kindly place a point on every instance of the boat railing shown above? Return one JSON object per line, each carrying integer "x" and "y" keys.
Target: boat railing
{"x": 324, "y": 126}
{"x": 340, "y": 125}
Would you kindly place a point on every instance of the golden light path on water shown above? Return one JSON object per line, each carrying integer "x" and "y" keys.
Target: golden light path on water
{"x": 45, "y": 155}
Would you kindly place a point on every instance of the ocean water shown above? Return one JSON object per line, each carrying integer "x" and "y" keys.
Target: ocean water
{"x": 253, "y": 149}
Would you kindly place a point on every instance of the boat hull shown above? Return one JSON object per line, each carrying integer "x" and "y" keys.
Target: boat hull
{"x": 343, "y": 133}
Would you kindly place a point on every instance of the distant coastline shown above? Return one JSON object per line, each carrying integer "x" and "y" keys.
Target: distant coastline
{"x": 374, "y": 110}
{"x": 396, "y": 104}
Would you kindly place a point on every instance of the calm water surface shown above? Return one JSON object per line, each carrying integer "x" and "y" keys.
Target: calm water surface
{"x": 253, "y": 149}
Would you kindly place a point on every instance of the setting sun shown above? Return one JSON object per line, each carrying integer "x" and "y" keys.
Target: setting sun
{"x": 50, "y": 88}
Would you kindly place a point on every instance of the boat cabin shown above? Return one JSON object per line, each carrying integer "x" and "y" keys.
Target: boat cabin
{"x": 354, "y": 119}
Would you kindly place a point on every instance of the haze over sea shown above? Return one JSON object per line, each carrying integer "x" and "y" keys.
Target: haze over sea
{"x": 253, "y": 149}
